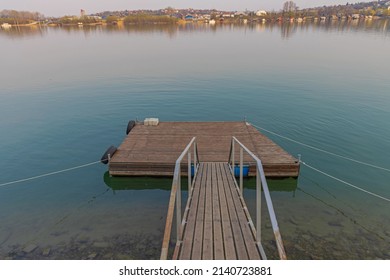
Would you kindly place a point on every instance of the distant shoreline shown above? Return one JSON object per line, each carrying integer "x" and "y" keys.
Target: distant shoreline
{"x": 181, "y": 22}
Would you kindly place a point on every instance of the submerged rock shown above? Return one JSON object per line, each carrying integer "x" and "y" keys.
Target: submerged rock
{"x": 335, "y": 224}
{"x": 92, "y": 256}
{"x": 293, "y": 221}
{"x": 306, "y": 237}
{"x": 28, "y": 249}
{"x": 337, "y": 254}
{"x": 46, "y": 252}
{"x": 101, "y": 244}
{"x": 299, "y": 248}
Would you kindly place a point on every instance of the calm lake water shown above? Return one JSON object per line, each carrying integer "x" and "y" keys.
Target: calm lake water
{"x": 67, "y": 94}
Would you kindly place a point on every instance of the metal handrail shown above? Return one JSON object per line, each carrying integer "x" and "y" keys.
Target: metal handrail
{"x": 175, "y": 197}
{"x": 260, "y": 181}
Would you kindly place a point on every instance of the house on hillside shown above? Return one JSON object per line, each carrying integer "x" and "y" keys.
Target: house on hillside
{"x": 355, "y": 16}
{"x": 6, "y": 26}
{"x": 261, "y": 13}
{"x": 240, "y": 13}
{"x": 189, "y": 17}
{"x": 94, "y": 17}
{"x": 177, "y": 15}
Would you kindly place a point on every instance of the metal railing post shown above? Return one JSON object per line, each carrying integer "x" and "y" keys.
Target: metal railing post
{"x": 195, "y": 160}
{"x": 233, "y": 155}
{"x": 241, "y": 171}
{"x": 261, "y": 184}
{"x": 175, "y": 201}
{"x": 189, "y": 174}
{"x": 258, "y": 205}
{"x": 178, "y": 207}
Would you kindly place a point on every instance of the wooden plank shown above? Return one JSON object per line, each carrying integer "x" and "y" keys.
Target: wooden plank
{"x": 207, "y": 253}
{"x": 247, "y": 234}
{"x": 228, "y": 240}
{"x": 189, "y": 230}
{"x": 198, "y": 235}
{"x": 237, "y": 235}
{"x": 217, "y": 220}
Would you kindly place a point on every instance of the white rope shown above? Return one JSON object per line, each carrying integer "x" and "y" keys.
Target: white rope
{"x": 49, "y": 174}
{"x": 344, "y": 182}
{"x": 321, "y": 150}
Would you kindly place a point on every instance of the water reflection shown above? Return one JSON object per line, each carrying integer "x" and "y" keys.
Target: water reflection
{"x": 287, "y": 29}
{"x": 138, "y": 183}
{"x": 165, "y": 183}
{"x": 274, "y": 185}
{"x": 25, "y": 31}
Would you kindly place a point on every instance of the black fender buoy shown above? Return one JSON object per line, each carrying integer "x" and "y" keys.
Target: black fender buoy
{"x": 110, "y": 151}
{"x": 130, "y": 126}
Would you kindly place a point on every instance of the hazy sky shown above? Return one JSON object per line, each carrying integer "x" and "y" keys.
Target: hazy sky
{"x": 72, "y": 7}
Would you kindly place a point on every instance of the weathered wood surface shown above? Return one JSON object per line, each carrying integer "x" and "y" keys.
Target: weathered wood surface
{"x": 216, "y": 225}
{"x": 153, "y": 150}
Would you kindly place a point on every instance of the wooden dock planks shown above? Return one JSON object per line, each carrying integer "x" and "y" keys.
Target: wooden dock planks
{"x": 186, "y": 250}
{"x": 217, "y": 220}
{"x": 153, "y": 150}
{"x": 241, "y": 217}
{"x": 216, "y": 224}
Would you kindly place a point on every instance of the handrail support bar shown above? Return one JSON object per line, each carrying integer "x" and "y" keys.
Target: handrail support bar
{"x": 261, "y": 184}
{"x": 175, "y": 197}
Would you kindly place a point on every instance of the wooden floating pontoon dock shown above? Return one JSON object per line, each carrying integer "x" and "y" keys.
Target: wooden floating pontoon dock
{"x": 153, "y": 150}
{"x": 216, "y": 223}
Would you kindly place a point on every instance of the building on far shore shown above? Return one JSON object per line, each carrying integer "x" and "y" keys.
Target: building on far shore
{"x": 189, "y": 17}
{"x": 355, "y": 16}
{"x": 261, "y": 13}
{"x": 240, "y": 13}
{"x": 6, "y": 25}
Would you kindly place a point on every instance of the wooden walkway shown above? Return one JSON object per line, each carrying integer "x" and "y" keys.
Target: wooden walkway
{"x": 153, "y": 150}
{"x": 217, "y": 220}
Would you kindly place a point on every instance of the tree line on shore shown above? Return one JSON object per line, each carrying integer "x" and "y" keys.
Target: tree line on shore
{"x": 19, "y": 17}
{"x": 374, "y": 8}
{"x": 112, "y": 19}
